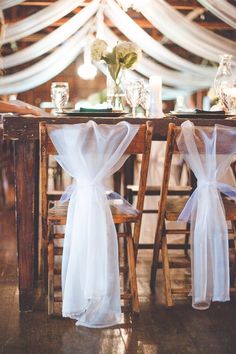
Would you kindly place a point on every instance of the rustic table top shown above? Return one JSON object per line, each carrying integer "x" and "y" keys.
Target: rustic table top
{"x": 27, "y": 127}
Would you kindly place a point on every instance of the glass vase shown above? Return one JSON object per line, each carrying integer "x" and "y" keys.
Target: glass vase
{"x": 224, "y": 80}
{"x": 115, "y": 92}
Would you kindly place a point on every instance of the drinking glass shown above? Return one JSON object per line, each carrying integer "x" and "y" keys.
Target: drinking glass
{"x": 145, "y": 100}
{"x": 223, "y": 80}
{"x": 60, "y": 95}
{"x": 133, "y": 91}
{"x": 230, "y": 98}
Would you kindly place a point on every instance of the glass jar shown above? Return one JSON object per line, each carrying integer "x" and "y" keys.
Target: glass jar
{"x": 223, "y": 80}
{"x": 60, "y": 95}
{"x": 115, "y": 91}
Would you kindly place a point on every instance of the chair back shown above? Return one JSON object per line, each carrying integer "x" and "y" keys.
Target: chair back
{"x": 141, "y": 144}
{"x": 208, "y": 152}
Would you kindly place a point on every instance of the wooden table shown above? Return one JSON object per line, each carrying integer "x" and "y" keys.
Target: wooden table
{"x": 25, "y": 133}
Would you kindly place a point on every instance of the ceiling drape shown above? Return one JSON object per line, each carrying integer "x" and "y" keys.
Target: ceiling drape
{"x": 175, "y": 70}
{"x": 40, "y": 19}
{"x": 46, "y": 68}
{"x": 5, "y": 4}
{"x": 148, "y": 44}
{"x": 221, "y": 9}
{"x": 51, "y": 40}
{"x": 185, "y": 33}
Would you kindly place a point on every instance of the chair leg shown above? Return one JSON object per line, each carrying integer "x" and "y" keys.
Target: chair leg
{"x": 50, "y": 277}
{"x": 186, "y": 241}
{"x": 132, "y": 273}
{"x": 166, "y": 272}
{"x": 45, "y": 265}
{"x": 155, "y": 258}
{"x": 48, "y": 231}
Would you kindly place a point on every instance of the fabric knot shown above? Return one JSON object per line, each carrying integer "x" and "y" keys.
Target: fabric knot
{"x": 206, "y": 183}
{"x": 77, "y": 185}
{"x": 89, "y": 184}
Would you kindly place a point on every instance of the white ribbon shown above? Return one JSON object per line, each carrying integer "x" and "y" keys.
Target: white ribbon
{"x": 90, "y": 268}
{"x": 192, "y": 201}
{"x": 209, "y": 232}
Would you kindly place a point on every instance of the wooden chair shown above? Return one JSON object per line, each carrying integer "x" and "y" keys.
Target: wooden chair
{"x": 154, "y": 191}
{"x": 56, "y": 216}
{"x": 169, "y": 210}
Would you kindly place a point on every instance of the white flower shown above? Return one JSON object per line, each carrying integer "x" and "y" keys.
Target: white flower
{"x": 123, "y": 56}
{"x": 98, "y": 47}
{"x": 125, "y": 48}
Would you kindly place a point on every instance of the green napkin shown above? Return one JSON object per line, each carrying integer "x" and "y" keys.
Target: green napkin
{"x": 95, "y": 110}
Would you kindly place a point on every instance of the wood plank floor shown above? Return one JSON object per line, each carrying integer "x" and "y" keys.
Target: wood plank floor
{"x": 156, "y": 331}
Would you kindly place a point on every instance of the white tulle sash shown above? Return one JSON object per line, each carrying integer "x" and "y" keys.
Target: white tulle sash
{"x": 205, "y": 210}
{"x": 90, "y": 269}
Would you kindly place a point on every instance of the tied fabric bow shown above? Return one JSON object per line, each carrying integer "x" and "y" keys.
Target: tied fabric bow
{"x": 90, "y": 269}
{"x": 205, "y": 210}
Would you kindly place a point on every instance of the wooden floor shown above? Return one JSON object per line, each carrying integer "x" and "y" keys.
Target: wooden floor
{"x": 156, "y": 331}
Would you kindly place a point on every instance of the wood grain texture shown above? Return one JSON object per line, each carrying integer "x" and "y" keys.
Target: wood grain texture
{"x": 25, "y": 130}
{"x": 25, "y": 222}
{"x": 21, "y": 128}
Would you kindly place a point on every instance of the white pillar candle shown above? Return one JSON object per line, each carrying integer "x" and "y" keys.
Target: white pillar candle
{"x": 155, "y": 84}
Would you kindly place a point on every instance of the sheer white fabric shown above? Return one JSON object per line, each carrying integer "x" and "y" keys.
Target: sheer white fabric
{"x": 222, "y": 9}
{"x": 40, "y": 19}
{"x": 53, "y": 39}
{"x": 90, "y": 270}
{"x": 209, "y": 233}
{"x": 185, "y": 33}
{"x": 46, "y": 68}
{"x": 149, "y": 45}
{"x": 5, "y": 4}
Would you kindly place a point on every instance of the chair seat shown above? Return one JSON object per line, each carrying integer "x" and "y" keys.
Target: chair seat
{"x": 57, "y": 215}
{"x": 176, "y": 205}
{"x": 155, "y": 190}
{"x": 54, "y": 195}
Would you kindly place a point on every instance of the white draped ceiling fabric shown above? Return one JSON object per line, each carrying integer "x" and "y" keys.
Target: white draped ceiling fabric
{"x": 221, "y": 9}
{"x": 149, "y": 45}
{"x": 185, "y": 33}
{"x": 53, "y": 39}
{"x": 40, "y": 19}
{"x": 48, "y": 67}
{"x": 182, "y": 74}
{"x": 5, "y": 4}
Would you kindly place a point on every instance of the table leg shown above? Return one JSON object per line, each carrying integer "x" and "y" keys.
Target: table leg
{"x": 25, "y": 166}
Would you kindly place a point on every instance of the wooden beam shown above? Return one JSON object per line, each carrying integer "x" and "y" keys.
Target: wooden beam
{"x": 182, "y": 7}
{"x": 215, "y": 25}
{"x": 144, "y": 23}
{"x": 36, "y": 3}
{"x": 44, "y": 3}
